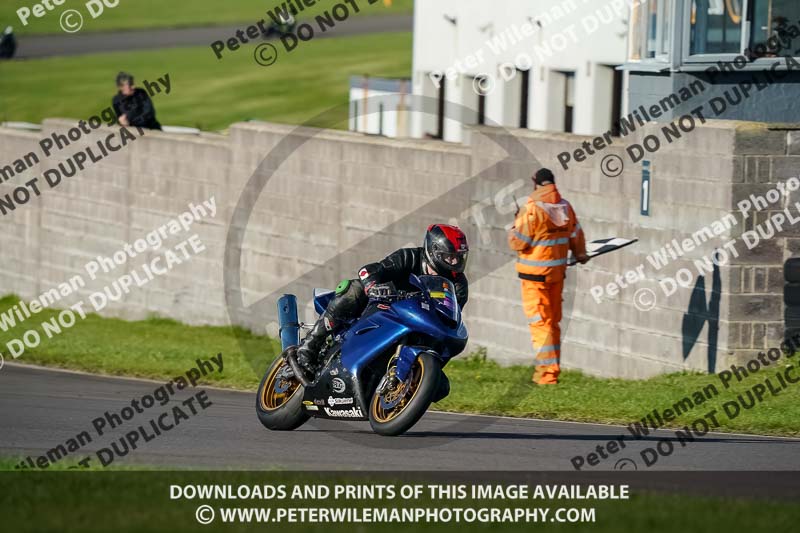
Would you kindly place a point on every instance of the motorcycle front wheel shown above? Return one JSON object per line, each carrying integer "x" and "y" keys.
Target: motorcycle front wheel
{"x": 395, "y": 411}
{"x": 279, "y": 402}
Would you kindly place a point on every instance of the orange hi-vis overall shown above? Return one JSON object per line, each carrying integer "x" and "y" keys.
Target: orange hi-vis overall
{"x": 544, "y": 232}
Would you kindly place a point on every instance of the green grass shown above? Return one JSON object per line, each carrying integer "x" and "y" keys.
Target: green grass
{"x": 159, "y": 348}
{"x": 206, "y": 92}
{"x": 139, "y": 14}
{"x": 140, "y": 501}
{"x": 153, "y": 348}
{"x": 9, "y": 464}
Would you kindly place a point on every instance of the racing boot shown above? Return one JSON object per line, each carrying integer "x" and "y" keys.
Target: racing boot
{"x": 308, "y": 352}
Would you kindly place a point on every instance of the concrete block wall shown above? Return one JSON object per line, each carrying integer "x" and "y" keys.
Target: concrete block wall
{"x": 20, "y": 233}
{"x": 114, "y": 202}
{"x": 335, "y": 200}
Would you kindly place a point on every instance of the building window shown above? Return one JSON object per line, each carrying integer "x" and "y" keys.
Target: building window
{"x": 635, "y": 34}
{"x": 706, "y": 31}
{"x": 724, "y": 29}
{"x": 659, "y": 28}
{"x": 651, "y": 30}
{"x": 770, "y": 18}
{"x": 715, "y": 27}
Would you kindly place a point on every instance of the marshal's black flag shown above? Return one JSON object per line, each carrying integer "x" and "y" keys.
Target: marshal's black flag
{"x": 603, "y": 246}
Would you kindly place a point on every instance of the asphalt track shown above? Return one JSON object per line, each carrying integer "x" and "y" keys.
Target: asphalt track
{"x": 65, "y": 44}
{"x": 42, "y": 408}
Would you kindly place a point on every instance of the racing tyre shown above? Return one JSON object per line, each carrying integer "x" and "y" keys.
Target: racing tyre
{"x": 396, "y": 410}
{"x": 279, "y": 402}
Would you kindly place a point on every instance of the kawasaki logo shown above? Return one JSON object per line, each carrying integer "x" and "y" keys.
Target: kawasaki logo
{"x": 353, "y": 412}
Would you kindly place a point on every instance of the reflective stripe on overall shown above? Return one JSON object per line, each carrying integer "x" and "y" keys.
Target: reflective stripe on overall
{"x": 542, "y": 305}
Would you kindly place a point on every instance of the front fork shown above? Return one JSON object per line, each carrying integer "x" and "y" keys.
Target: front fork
{"x": 399, "y": 367}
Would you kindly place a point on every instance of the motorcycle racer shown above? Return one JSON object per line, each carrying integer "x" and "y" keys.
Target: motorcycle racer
{"x": 444, "y": 253}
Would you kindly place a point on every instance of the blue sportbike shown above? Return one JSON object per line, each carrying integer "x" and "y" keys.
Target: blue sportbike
{"x": 385, "y": 367}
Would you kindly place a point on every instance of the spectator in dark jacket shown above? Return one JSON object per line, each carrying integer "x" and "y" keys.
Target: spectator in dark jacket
{"x": 8, "y": 44}
{"x": 133, "y": 105}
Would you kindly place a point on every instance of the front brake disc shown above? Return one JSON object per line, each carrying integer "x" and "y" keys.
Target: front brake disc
{"x": 392, "y": 398}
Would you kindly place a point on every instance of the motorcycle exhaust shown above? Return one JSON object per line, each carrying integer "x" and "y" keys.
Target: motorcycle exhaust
{"x": 287, "y": 321}
{"x": 289, "y": 331}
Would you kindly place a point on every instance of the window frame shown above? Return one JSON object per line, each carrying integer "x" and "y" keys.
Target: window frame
{"x": 661, "y": 55}
{"x": 662, "y": 22}
{"x": 727, "y": 57}
{"x": 677, "y": 55}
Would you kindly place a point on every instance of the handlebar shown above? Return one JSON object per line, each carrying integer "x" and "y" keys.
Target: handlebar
{"x": 396, "y": 297}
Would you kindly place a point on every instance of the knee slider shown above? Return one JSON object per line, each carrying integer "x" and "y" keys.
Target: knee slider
{"x": 342, "y": 287}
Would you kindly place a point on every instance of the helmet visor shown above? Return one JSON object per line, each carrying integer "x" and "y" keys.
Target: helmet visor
{"x": 454, "y": 261}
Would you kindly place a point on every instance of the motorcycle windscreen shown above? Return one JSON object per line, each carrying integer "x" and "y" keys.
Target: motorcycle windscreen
{"x": 443, "y": 296}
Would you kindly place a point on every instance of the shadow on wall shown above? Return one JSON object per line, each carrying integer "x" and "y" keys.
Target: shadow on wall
{"x": 791, "y": 297}
{"x": 699, "y": 313}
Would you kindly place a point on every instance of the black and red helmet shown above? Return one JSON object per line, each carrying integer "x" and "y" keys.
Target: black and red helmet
{"x": 446, "y": 248}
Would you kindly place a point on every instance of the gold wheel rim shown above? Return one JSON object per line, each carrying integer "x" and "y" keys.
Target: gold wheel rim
{"x": 386, "y": 415}
{"x": 270, "y": 398}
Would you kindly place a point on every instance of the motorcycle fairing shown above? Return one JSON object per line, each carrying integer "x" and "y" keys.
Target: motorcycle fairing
{"x": 322, "y": 297}
{"x": 335, "y": 384}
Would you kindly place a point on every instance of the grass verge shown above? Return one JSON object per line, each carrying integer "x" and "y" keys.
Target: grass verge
{"x": 153, "y": 348}
{"x": 208, "y": 93}
{"x": 151, "y": 14}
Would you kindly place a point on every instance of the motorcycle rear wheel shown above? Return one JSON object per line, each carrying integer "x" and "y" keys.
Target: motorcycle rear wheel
{"x": 418, "y": 391}
{"x": 279, "y": 402}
